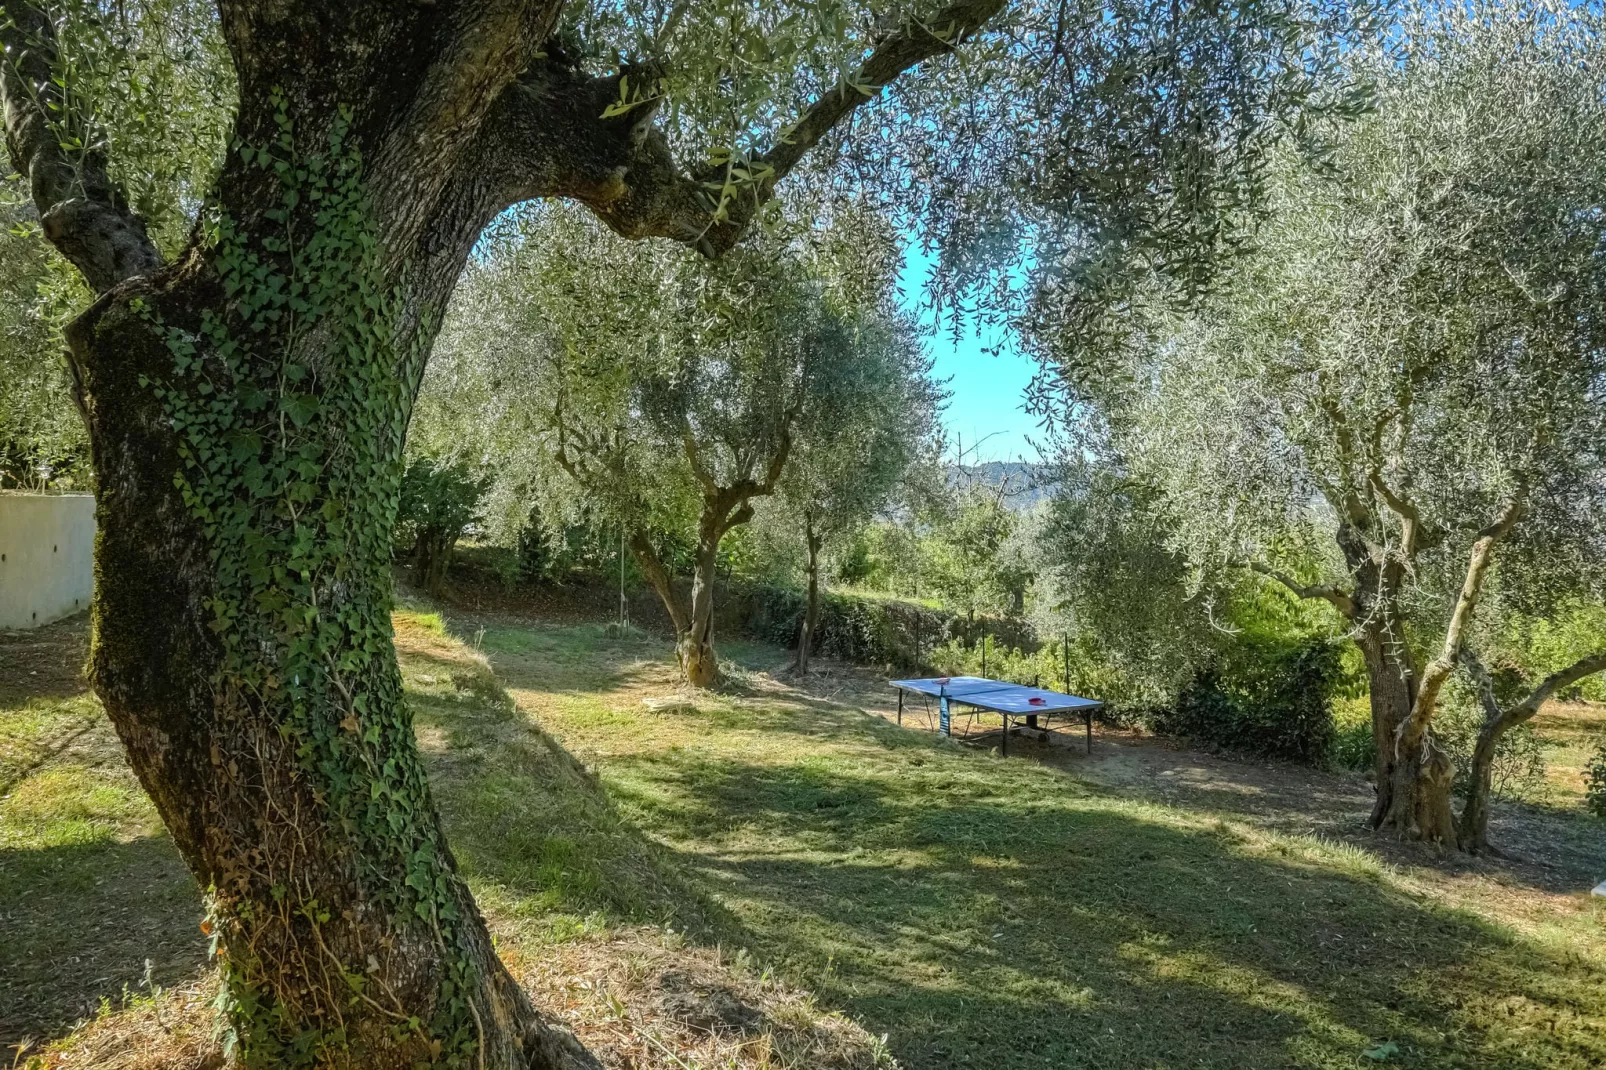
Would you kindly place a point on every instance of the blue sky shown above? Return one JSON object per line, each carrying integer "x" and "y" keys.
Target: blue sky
{"x": 989, "y": 392}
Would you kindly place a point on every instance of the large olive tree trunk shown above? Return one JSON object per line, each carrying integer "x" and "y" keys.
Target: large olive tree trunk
{"x": 247, "y": 405}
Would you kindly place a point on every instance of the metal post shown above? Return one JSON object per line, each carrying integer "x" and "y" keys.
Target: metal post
{"x": 900, "y": 706}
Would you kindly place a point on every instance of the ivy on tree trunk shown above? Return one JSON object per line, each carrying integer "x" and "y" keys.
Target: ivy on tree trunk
{"x": 246, "y": 407}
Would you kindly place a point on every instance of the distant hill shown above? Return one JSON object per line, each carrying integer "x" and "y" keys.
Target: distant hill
{"x": 1026, "y": 482}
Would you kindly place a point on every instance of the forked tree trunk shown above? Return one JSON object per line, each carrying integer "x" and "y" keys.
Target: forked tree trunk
{"x": 693, "y": 617}
{"x": 811, "y": 607}
{"x": 695, "y": 644}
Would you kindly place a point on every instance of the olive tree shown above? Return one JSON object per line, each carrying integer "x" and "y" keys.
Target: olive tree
{"x": 247, "y": 391}
{"x": 653, "y": 381}
{"x": 876, "y": 419}
{"x": 1402, "y": 384}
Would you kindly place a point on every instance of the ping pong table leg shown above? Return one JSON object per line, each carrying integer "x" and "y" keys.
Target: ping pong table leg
{"x": 1005, "y": 750}
{"x": 900, "y": 706}
{"x": 1090, "y": 730}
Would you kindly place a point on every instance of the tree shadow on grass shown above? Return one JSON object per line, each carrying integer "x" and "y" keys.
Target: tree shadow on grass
{"x": 987, "y": 927}
{"x": 79, "y": 922}
{"x": 531, "y": 828}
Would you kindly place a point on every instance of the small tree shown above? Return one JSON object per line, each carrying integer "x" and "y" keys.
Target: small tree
{"x": 852, "y": 456}
{"x": 679, "y": 397}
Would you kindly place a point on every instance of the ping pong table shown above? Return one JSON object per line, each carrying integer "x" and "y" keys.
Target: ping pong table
{"x": 1014, "y": 702}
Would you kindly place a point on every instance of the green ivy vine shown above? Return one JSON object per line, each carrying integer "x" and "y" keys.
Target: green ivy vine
{"x": 293, "y": 469}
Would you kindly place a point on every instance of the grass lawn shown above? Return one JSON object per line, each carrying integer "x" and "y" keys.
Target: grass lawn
{"x": 1004, "y": 913}
{"x": 695, "y": 887}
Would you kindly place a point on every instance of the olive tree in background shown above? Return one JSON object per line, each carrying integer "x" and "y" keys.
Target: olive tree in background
{"x": 849, "y": 462}
{"x": 247, "y": 390}
{"x": 1399, "y": 396}
{"x": 658, "y": 391}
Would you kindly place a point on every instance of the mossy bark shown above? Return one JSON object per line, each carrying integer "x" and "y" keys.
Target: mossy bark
{"x": 342, "y": 927}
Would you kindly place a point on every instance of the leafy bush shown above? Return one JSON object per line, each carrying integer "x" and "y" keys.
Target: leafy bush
{"x": 438, "y": 500}
{"x": 1595, "y": 783}
{"x": 1352, "y": 734}
{"x": 1265, "y": 698}
{"x": 861, "y": 629}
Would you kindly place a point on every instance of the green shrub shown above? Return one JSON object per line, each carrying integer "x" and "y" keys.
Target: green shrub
{"x": 1269, "y": 699}
{"x": 438, "y": 500}
{"x": 1595, "y": 783}
{"x": 1352, "y": 734}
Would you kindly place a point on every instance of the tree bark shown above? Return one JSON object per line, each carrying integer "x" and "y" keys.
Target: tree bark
{"x": 1472, "y": 829}
{"x": 811, "y": 607}
{"x": 695, "y": 645}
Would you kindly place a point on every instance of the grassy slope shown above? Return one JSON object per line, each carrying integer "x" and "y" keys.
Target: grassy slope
{"x": 981, "y": 912}
{"x": 1002, "y": 914}
{"x": 98, "y": 912}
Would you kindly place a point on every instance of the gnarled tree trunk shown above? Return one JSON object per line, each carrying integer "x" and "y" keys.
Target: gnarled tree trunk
{"x": 692, "y": 617}
{"x": 695, "y": 644}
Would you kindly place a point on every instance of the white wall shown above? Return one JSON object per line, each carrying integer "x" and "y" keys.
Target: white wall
{"x": 47, "y": 557}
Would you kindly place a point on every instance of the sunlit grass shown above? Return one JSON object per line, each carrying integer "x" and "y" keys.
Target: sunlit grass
{"x": 999, "y": 913}
{"x": 981, "y": 912}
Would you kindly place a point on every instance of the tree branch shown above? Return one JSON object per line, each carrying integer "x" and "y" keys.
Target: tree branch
{"x": 1438, "y": 670}
{"x": 1350, "y": 504}
{"x": 622, "y": 167}
{"x": 1503, "y": 720}
{"x": 653, "y": 567}
{"x": 694, "y": 456}
{"x": 83, "y": 212}
{"x": 1340, "y": 598}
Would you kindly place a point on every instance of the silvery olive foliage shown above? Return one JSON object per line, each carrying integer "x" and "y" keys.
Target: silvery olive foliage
{"x": 567, "y": 346}
{"x": 1424, "y": 320}
{"x": 156, "y": 80}
{"x": 1069, "y": 137}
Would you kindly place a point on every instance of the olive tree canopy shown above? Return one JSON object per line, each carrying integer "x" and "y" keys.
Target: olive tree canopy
{"x": 1398, "y": 396}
